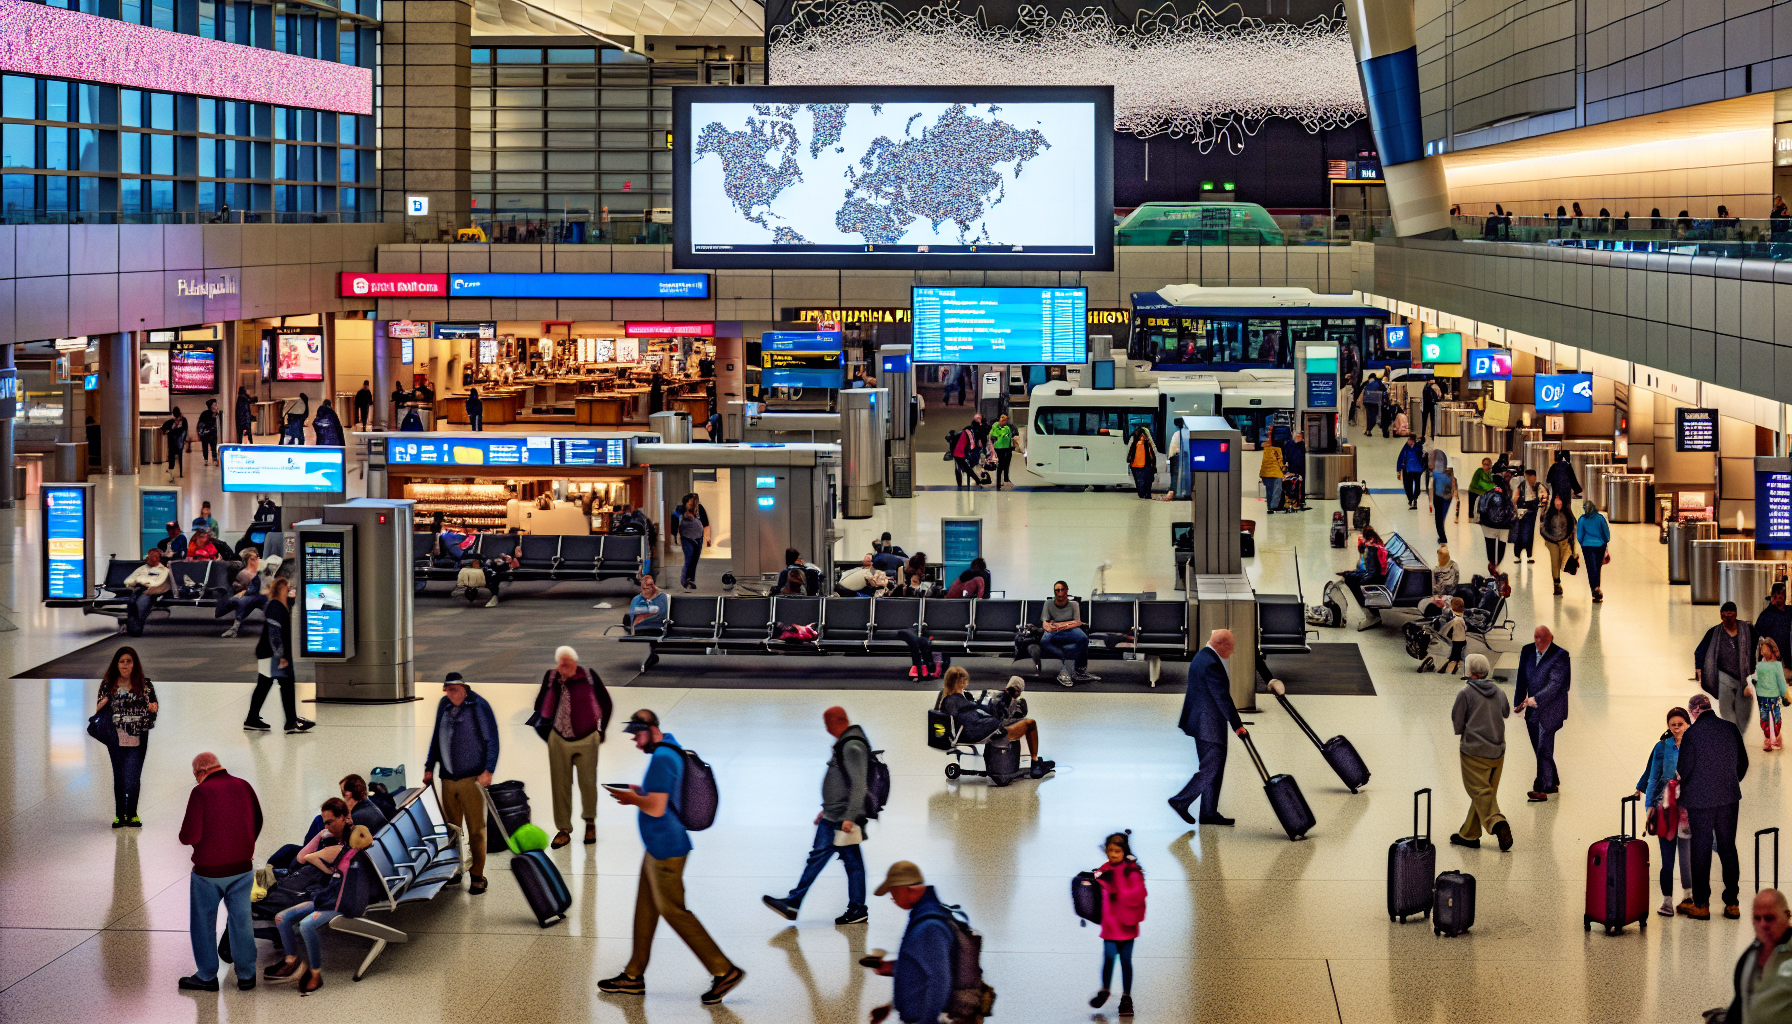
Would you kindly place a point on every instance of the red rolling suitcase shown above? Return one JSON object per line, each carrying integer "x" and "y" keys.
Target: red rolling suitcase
{"x": 1618, "y": 878}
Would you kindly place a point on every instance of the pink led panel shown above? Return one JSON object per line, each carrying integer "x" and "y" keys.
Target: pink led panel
{"x": 49, "y": 41}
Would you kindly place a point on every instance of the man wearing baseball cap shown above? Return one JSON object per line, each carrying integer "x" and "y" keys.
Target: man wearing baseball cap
{"x": 661, "y": 893}
{"x": 201, "y": 548}
{"x": 465, "y": 746}
{"x": 922, "y": 970}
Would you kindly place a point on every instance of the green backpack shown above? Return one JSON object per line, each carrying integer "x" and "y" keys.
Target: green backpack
{"x": 528, "y": 837}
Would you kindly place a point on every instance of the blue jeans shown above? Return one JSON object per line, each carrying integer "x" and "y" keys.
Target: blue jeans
{"x": 1273, "y": 484}
{"x": 1111, "y": 948}
{"x": 307, "y": 919}
{"x": 203, "y": 897}
{"x": 127, "y": 776}
{"x": 1069, "y": 644}
{"x": 693, "y": 550}
{"x": 850, "y": 859}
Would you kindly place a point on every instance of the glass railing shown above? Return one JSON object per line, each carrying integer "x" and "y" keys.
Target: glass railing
{"x": 1730, "y": 237}
{"x": 188, "y": 217}
{"x": 556, "y": 228}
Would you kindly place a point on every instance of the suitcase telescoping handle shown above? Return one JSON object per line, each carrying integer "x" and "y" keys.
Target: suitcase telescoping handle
{"x": 1415, "y": 812}
{"x": 1634, "y": 802}
{"x": 1776, "y": 857}
{"x": 1282, "y": 698}
{"x": 1255, "y": 759}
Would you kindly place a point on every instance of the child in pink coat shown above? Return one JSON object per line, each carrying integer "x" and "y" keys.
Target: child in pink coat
{"x": 1122, "y": 908}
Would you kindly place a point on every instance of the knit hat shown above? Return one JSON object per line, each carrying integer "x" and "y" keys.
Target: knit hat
{"x": 453, "y": 678}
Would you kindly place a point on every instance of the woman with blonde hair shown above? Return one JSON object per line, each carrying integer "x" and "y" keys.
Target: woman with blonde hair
{"x": 979, "y": 725}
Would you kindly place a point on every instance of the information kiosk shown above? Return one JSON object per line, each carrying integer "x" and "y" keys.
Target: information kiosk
{"x": 353, "y": 614}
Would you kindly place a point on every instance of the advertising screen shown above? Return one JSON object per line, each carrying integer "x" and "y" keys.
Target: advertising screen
{"x": 156, "y": 508}
{"x": 466, "y": 332}
{"x": 590, "y": 451}
{"x": 961, "y": 539}
{"x": 392, "y": 286}
{"x": 91, "y": 382}
{"x": 266, "y": 356}
{"x": 488, "y": 350}
{"x": 1489, "y": 364}
{"x": 628, "y": 350}
{"x": 468, "y": 451}
{"x": 578, "y": 286}
{"x": 193, "y": 368}
{"x": 1695, "y": 430}
{"x": 322, "y": 594}
{"x": 640, "y": 330}
{"x": 857, "y": 176}
{"x": 407, "y": 329}
{"x": 152, "y": 380}
{"x": 65, "y": 542}
{"x": 802, "y": 359}
{"x": 281, "y": 469}
{"x": 1441, "y": 348}
{"x": 1773, "y": 509}
{"x": 1000, "y": 325}
{"x": 1396, "y": 338}
{"x": 1565, "y": 392}
{"x": 298, "y": 353}
{"x": 1209, "y": 454}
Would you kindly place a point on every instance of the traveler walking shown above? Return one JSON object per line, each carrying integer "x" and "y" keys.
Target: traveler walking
{"x": 1443, "y": 492}
{"x": 923, "y": 968}
{"x": 1769, "y": 690}
{"x": 690, "y": 523}
{"x": 1141, "y": 459}
{"x": 222, "y": 823}
{"x": 1478, "y": 485}
{"x": 1410, "y": 468}
{"x": 273, "y": 662}
{"x": 465, "y": 744}
{"x": 128, "y": 700}
{"x": 174, "y": 430}
{"x": 1723, "y": 663}
{"x": 1556, "y": 525}
{"x": 1713, "y": 762}
{"x": 1122, "y": 884}
{"x": 296, "y": 415}
{"x": 244, "y": 415}
{"x": 475, "y": 410}
{"x": 963, "y": 445}
{"x": 1479, "y": 717}
{"x": 1763, "y": 976}
{"x": 1428, "y": 408}
{"x": 572, "y": 712}
{"x": 1207, "y": 712}
{"x": 364, "y": 406}
{"x": 840, "y": 825}
{"x": 208, "y": 431}
{"x": 1001, "y": 438}
{"x": 1529, "y": 496}
{"x": 661, "y": 892}
{"x": 1561, "y": 478}
{"x": 1544, "y": 676}
{"x": 1375, "y": 392}
{"x": 1775, "y": 622}
{"x": 1659, "y": 792}
{"x": 1594, "y": 535}
{"x": 1497, "y": 516}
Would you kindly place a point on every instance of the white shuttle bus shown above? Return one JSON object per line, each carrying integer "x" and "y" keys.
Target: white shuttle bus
{"x": 1077, "y": 437}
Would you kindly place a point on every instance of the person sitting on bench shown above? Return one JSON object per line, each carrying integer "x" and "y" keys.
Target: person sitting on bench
{"x": 864, "y": 581}
{"x": 148, "y": 582}
{"x": 245, "y": 593}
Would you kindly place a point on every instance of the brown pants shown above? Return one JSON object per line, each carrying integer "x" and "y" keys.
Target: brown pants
{"x": 463, "y": 804}
{"x": 1481, "y": 777}
{"x": 565, "y": 758}
{"x": 662, "y": 895}
{"x": 1559, "y": 550}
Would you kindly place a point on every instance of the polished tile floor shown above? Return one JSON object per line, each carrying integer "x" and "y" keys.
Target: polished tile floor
{"x": 1243, "y": 925}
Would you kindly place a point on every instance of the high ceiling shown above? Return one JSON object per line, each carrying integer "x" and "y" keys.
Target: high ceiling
{"x": 621, "y": 20}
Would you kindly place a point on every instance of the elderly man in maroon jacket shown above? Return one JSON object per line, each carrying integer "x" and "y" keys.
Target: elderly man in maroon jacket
{"x": 223, "y": 820}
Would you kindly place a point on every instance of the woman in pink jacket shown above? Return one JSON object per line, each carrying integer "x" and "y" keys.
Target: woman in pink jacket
{"x": 1122, "y": 908}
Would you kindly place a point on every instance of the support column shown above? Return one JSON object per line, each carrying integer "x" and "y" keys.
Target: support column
{"x": 385, "y": 371}
{"x": 426, "y": 73}
{"x": 1383, "y": 35}
{"x": 7, "y": 497}
{"x": 118, "y": 391}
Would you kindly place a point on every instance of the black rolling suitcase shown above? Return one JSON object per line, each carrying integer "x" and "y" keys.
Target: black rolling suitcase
{"x": 1340, "y": 532}
{"x": 1085, "y": 896}
{"x": 542, "y": 886}
{"x": 1359, "y": 518}
{"x": 1337, "y": 751}
{"x": 1284, "y": 797}
{"x": 1350, "y": 496}
{"x": 507, "y": 810}
{"x": 1412, "y": 867}
{"x": 1454, "y": 912}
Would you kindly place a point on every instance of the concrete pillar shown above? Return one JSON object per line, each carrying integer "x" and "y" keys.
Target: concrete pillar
{"x": 7, "y": 497}
{"x": 426, "y": 74}
{"x": 118, "y": 394}
{"x": 386, "y": 370}
{"x": 1383, "y": 35}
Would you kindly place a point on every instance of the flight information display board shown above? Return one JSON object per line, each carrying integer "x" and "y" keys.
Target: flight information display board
{"x": 1695, "y": 430}
{"x": 1000, "y": 325}
{"x": 323, "y": 594}
{"x": 1773, "y": 509}
{"x": 590, "y": 451}
{"x": 802, "y": 359}
{"x": 520, "y": 451}
{"x": 66, "y": 557}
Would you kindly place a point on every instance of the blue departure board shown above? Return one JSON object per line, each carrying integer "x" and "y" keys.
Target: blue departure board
{"x": 1000, "y": 325}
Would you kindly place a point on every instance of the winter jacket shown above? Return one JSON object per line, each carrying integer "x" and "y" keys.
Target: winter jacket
{"x": 1592, "y": 531}
{"x": 1480, "y": 483}
{"x": 1545, "y": 679}
{"x": 1411, "y": 460}
{"x": 276, "y": 638}
{"x": 1561, "y": 480}
{"x": 474, "y": 730}
{"x": 1705, "y": 657}
{"x": 1713, "y": 763}
{"x": 1480, "y": 718}
{"x": 1122, "y": 899}
{"x": 1664, "y": 761}
{"x": 1272, "y": 463}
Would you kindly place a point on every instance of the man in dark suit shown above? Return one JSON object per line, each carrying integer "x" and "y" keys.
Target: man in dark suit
{"x": 1713, "y": 762}
{"x": 1542, "y": 694}
{"x": 1207, "y": 711}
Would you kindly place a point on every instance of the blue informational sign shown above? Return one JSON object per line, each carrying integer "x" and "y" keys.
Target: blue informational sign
{"x": 289, "y": 469}
{"x": 1773, "y": 510}
{"x": 463, "y": 331}
{"x": 9, "y": 392}
{"x": 65, "y": 542}
{"x": 590, "y": 451}
{"x": 1489, "y": 364}
{"x": 578, "y": 286}
{"x": 961, "y": 540}
{"x": 91, "y": 382}
{"x": 895, "y": 364}
{"x": 323, "y": 597}
{"x": 802, "y": 359}
{"x": 1000, "y": 325}
{"x": 516, "y": 451}
{"x": 156, "y": 509}
{"x": 1322, "y": 392}
{"x": 1564, "y": 392}
{"x": 1396, "y": 338}
{"x": 1209, "y": 454}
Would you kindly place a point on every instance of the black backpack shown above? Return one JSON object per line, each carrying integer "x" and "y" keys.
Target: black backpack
{"x": 972, "y": 999}
{"x": 697, "y": 796}
{"x": 877, "y": 787}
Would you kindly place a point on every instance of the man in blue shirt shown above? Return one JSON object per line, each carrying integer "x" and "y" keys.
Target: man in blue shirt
{"x": 661, "y": 893}
{"x": 647, "y": 614}
{"x": 922, "y": 970}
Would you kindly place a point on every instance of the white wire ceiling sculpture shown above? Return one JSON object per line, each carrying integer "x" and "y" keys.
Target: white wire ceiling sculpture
{"x": 1210, "y": 76}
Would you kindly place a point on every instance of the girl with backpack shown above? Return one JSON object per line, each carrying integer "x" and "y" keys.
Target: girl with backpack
{"x": 1122, "y": 884}
{"x": 1497, "y": 515}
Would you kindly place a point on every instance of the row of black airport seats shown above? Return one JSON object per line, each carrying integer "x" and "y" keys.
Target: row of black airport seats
{"x": 1408, "y": 584}
{"x": 196, "y": 585}
{"x": 541, "y": 556}
{"x": 955, "y": 625}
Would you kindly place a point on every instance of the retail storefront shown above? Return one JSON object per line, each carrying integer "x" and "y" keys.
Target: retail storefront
{"x": 536, "y": 483}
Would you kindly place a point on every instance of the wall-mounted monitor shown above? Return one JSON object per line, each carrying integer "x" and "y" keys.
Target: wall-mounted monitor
{"x": 281, "y": 469}
{"x": 1489, "y": 364}
{"x": 298, "y": 353}
{"x": 1000, "y": 325}
{"x": 1564, "y": 392}
{"x": 893, "y": 177}
{"x": 1441, "y": 348}
{"x": 152, "y": 380}
{"x": 193, "y": 368}
{"x": 802, "y": 359}
{"x": 1102, "y": 374}
{"x": 1396, "y": 338}
{"x": 466, "y": 331}
{"x": 1209, "y": 454}
{"x": 1773, "y": 509}
{"x": 1695, "y": 430}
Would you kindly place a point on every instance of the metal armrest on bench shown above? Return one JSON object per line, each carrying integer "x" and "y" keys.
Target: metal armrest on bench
{"x": 367, "y": 928}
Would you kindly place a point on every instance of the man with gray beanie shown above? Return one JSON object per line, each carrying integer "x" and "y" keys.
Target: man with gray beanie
{"x": 1480, "y": 719}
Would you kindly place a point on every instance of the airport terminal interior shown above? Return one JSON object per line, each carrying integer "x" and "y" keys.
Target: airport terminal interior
{"x": 1359, "y": 371}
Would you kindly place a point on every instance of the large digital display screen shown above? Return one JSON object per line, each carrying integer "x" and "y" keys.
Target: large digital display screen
{"x": 802, "y": 359}
{"x": 298, "y": 353}
{"x": 65, "y": 542}
{"x": 322, "y": 594}
{"x": 193, "y": 368}
{"x": 1773, "y": 509}
{"x": 578, "y": 286}
{"x": 1396, "y": 338}
{"x": 590, "y": 451}
{"x": 1695, "y": 430}
{"x": 1000, "y": 325}
{"x": 152, "y": 380}
{"x": 900, "y": 177}
{"x": 281, "y": 469}
{"x": 1441, "y": 348}
{"x": 522, "y": 451}
{"x": 467, "y": 332}
{"x": 1209, "y": 454}
{"x": 1489, "y": 364}
{"x": 1564, "y": 392}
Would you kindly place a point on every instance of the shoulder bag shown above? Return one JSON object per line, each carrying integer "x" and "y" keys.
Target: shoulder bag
{"x": 543, "y": 727}
{"x": 101, "y": 727}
